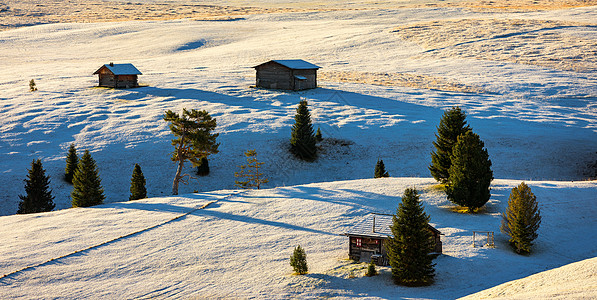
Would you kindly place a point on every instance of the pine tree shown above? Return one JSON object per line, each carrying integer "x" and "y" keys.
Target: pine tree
{"x": 203, "y": 167}
{"x": 371, "y": 271}
{"x": 38, "y": 197}
{"x": 138, "y": 190}
{"x": 32, "y": 86}
{"x": 193, "y": 140}
{"x": 298, "y": 260}
{"x": 410, "y": 247}
{"x": 522, "y": 219}
{"x": 470, "y": 173}
{"x": 250, "y": 172}
{"x": 71, "y": 163}
{"x": 87, "y": 187}
{"x": 302, "y": 140}
{"x": 318, "y": 136}
{"x": 380, "y": 169}
{"x": 451, "y": 125}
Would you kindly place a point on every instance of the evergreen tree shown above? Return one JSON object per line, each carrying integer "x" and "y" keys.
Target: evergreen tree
{"x": 138, "y": 190}
{"x": 318, "y": 136}
{"x": 38, "y": 197}
{"x": 302, "y": 140}
{"x": 193, "y": 140}
{"x": 250, "y": 172}
{"x": 380, "y": 169}
{"x": 71, "y": 163}
{"x": 87, "y": 187}
{"x": 203, "y": 167}
{"x": 451, "y": 125}
{"x": 522, "y": 219}
{"x": 470, "y": 173}
{"x": 32, "y": 86}
{"x": 371, "y": 271}
{"x": 298, "y": 260}
{"x": 410, "y": 247}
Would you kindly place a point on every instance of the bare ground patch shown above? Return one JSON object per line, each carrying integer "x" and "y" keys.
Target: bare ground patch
{"x": 560, "y": 45}
{"x": 399, "y": 79}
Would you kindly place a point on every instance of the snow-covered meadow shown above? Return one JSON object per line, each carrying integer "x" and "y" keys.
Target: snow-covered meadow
{"x": 538, "y": 121}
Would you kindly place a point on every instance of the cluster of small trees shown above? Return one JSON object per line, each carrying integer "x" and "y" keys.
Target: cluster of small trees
{"x": 83, "y": 174}
{"x": 462, "y": 164}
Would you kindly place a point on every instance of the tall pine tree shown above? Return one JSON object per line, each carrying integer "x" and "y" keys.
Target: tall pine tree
{"x": 302, "y": 139}
{"x": 470, "y": 173}
{"x": 138, "y": 190}
{"x": 71, "y": 163}
{"x": 380, "y": 170}
{"x": 410, "y": 247}
{"x": 451, "y": 125}
{"x": 193, "y": 140}
{"x": 87, "y": 187}
{"x": 38, "y": 197}
{"x": 521, "y": 219}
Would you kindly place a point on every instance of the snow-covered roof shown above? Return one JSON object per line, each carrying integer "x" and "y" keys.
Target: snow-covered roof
{"x": 365, "y": 226}
{"x": 296, "y": 64}
{"x": 300, "y": 77}
{"x": 121, "y": 69}
{"x": 382, "y": 226}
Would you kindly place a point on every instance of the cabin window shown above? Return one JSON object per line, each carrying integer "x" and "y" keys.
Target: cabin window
{"x": 359, "y": 242}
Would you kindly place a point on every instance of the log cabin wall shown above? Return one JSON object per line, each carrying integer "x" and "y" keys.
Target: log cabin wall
{"x": 274, "y": 76}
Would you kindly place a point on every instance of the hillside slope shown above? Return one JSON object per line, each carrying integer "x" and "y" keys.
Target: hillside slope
{"x": 239, "y": 245}
{"x": 537, "y": 122}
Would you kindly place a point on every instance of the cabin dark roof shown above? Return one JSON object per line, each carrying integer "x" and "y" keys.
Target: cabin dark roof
{"x": 382, "y": 227}
{"x": 295, "y": 64}
{"x": 121, "y": 69}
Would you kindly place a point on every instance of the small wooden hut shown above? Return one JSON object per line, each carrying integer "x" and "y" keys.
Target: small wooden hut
{"x": 118, "y": 75}
{"x": 367, "y": 239}
{"x": 291, "y": 74}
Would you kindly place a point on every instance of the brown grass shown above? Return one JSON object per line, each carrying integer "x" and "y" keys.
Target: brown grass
{"x": 533, "y": 42}
{"x": 399, "y": 79}
{"x": 16, "y": 13}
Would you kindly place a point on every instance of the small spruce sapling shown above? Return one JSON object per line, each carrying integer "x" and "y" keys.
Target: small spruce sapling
{"x": 318, "y": 136}
{"x": 138, "y": 190}
{"x": 71, "y": 163}
{"x": 38, "y": 195}
{"x": 298, "y": 261}
{"x": 380, "y": 169}
{"x": 32, "y": 86}
{"x": 203, "y": 167}
{"x": 371, "y": 271}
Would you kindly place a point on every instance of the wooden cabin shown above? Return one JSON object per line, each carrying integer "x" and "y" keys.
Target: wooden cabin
{"x": 118, "y": 75}
{"x": 291, "y": 74}
{"x": 367, "y": 239}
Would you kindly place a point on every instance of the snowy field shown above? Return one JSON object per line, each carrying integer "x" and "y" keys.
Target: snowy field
{"x": 238, "y": 246}
{"x": 525, "y": 76}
